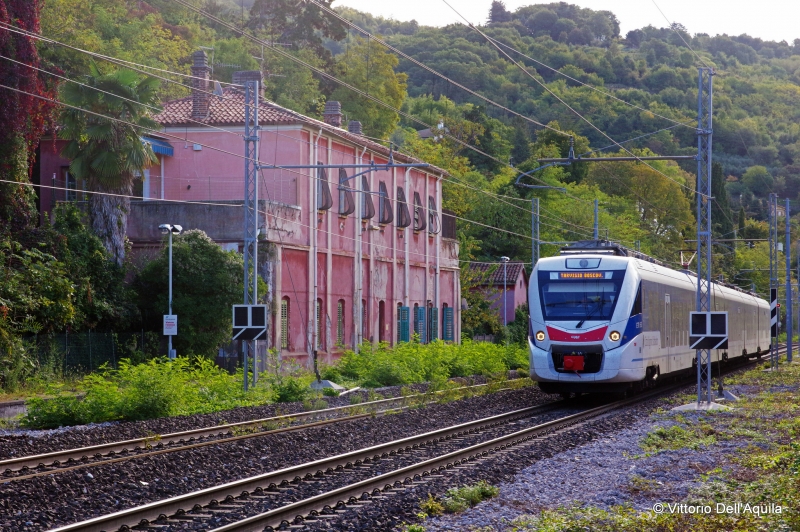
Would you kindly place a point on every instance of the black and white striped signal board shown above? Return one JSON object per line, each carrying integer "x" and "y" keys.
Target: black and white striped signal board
{"x": 773, "y": 312}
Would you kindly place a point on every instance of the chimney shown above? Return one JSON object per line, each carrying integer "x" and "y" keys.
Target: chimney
{"x": 242, "y": 76}
{"x": 333, "y": 114}
{"x": 200, "y": 94}
{"x": 354, "y": 127}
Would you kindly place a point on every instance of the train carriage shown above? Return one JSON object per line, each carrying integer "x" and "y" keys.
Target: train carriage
{"x": 606, "y": 319}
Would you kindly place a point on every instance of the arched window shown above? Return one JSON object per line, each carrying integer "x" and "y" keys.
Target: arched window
{"x": 419, "y": 214}
{"x": 324, "y": 199}
{"x": 285, "y": 323}
{"x": 403, "y": 216}
{"x": 382, "y": 322}
{"x": 346, "y": 203}
{"x": 340, "y": 322}
{"x": 367, "y": 207}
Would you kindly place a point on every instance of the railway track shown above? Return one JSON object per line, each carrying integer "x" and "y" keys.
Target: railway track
{"x": 32, "y": 466}
{"x": 325, "y": 488}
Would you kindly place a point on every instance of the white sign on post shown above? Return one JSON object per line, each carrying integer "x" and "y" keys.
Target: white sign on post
{"x": 170, "y": 325}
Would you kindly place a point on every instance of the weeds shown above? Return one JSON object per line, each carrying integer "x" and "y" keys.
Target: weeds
{"x": 460, "y": 499}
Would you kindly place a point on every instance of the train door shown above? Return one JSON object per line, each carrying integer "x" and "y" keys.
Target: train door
{"x": 667, "y": 333}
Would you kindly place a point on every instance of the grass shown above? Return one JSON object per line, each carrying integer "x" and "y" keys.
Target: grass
{"x": 765, "y": 469}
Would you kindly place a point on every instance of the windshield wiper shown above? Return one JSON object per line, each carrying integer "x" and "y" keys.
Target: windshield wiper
{"x": 600, "y": 303}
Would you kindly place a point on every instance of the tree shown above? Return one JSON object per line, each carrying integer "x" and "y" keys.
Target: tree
{"x": 23, "y": 116}
{"x": 721, "y": 215}
{"x": 499, "y": 13}
{"x": 368, "y": 67}
{"x": 302, "y": 24}
{"x": 106, "y": 148}
{"x": 206, "y": 282}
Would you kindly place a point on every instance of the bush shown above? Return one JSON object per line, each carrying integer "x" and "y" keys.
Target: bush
{"x": 154, "y": 389}
{"x": 411, "y": 362}
{"x": 289, "y": 389}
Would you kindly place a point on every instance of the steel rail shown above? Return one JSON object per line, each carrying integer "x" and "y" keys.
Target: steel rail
{"x": 185, "y": 439}
{"x": 208, "y": 499}
{"x": 307, "y": 471}
{"x": 363, "y": 491}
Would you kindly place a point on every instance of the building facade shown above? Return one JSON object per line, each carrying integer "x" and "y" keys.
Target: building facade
{"x": 347, "y": 260}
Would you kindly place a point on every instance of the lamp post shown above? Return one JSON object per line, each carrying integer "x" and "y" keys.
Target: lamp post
{"x": 504, "y": 260}
{"x": 168, "y": 229}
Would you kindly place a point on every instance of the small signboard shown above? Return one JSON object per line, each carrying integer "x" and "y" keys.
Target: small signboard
{"x": 170, "y": 325}
{"x": 773, "y": 311}
{"x": 249, "y": 322}
{"x": 708, "y": 330}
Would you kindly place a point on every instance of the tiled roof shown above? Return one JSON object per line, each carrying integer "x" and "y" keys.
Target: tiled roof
{"x": 228, "y": 110}
{"x": 513, "y": 269}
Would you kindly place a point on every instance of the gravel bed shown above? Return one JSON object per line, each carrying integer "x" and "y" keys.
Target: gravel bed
{"x": 592, "y": 464}
{"x": 45, "y": 502}
{"x": 22, "y": 442}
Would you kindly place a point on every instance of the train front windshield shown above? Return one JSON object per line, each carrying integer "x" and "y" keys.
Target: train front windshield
{"x": 570, "y": 296}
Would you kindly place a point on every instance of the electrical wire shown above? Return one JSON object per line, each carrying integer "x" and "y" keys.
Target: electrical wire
{"x": 672, "y": 27}
{"x": 554, "y": 95}
{"x": 114, "y": 60}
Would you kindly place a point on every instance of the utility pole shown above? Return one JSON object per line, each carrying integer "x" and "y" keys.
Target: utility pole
{"x": 773, "y": 276}
{"x": 251, "y": 138}
{"x": 788, "y": 253}
{"x": 535, "y": 250}
{"x": 596, "y": 222}
{"x": 704, "y": 137}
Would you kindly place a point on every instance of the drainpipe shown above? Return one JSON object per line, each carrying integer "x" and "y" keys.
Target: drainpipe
{"x": 162, "y": 176}
{"x": 358, "y": 312}
{"x": 406, "y": 265}
{"x": 312, "y": 259}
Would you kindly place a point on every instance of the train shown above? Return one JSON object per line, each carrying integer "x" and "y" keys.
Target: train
{"x": 604, "y": 318}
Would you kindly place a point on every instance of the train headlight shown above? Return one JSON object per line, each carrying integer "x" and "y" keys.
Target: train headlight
{"x": 613, "y": 336}
{"x": 540, "y": 336}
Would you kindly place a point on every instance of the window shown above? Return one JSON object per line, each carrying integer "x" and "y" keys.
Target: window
{"x": 447, "y": 323}
{"x": 367, "y": 208}
{"x": 385, "y": 215}
{"x": 285, "y": 323}
{"x": 324, "y": 199}
{"x": 403, "y": 216}
{"x": 433, "y": 218}
{"x": 420, "y": 326}
{"x": 382, "y": 336}
{"x": 637, "y": 303}
{"x": 403, "y": 318}
{"x": 419, "y": 214}
{"x": 346, "y": 203}
{"x": 433, "y": 323}
{"x": 320, "y": 329}
{"x": 340, "y": 322}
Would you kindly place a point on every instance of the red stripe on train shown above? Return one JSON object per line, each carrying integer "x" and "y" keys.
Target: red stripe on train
{"x": 595, "y": 335}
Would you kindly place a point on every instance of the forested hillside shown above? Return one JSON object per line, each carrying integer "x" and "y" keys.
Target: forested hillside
{"x": 576, "y": 75}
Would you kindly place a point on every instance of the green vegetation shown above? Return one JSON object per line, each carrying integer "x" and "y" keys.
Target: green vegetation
{"x": 456, "y": 500}
{"x": 409, "y": 363}
{"x": 766, "y": 469}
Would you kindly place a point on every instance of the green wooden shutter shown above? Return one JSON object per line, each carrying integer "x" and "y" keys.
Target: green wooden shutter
{"x": 420, "y": 326}
{"x": 433, "y": 321}
{"x": 405, "y": 333}
{"x": 447, "y": 324}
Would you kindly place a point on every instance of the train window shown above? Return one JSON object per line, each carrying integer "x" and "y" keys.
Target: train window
{"x": 579, "y": 300}
{"x": 637, "y": 303}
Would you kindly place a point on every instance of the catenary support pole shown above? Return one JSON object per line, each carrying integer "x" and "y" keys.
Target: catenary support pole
{"x": 251, "y": 138}
{"x": 788, "y": 254}
{"x": 704, "y": 137}
{"x": 170, "y": 354}
{"x": 596, "y": 222}
{"x": 535, "y": 249}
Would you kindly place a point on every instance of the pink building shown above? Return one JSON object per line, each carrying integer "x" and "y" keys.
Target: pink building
{"x": 334, "y": 280}
{"x": 507, "y": 283}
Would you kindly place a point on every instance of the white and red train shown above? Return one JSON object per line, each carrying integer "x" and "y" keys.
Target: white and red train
{"x": 604, "y": 319}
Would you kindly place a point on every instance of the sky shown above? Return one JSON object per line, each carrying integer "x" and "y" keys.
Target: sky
{"x": 771, "y": 20}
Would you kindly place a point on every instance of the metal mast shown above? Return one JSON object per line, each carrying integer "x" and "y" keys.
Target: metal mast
{"x": 773, "y": 267}
{"x": 704, "y": 134}
{"x": 251, "y": 132}
{"x": 788, "y": 253}
{"x": 535, "y": 251}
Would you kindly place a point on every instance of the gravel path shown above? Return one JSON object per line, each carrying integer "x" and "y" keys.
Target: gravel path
{"x": 607, "y": 471}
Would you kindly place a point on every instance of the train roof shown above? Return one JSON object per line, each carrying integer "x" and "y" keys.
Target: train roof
{"x": 608, "y": 248}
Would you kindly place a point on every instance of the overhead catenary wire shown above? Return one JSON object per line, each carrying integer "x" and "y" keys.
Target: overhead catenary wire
{"x": 122, "y": 63}
{"x": 672, "y": 27}
{"x": 554, "y": 95}
{"x": 57, "y": 102}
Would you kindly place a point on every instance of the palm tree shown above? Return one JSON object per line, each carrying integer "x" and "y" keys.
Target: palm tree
{"x": 105, "y": 146}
